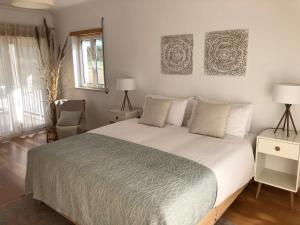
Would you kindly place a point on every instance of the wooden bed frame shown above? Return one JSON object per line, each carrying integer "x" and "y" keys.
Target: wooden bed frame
{"x": 211, "y": 217}
{"x": 215, "y": 214}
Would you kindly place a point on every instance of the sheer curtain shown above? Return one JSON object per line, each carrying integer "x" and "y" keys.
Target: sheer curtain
{"x": 22, "y": 96}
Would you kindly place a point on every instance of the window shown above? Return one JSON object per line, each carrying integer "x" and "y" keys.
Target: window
{"x": 92, "y": 62}
{"x": 88, "y": 60}
{"x": 23, "y": 103}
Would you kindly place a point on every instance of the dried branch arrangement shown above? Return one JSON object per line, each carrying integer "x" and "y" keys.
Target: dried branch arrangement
{"x": 51, "y": 61}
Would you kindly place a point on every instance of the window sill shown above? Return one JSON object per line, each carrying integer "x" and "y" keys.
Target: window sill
{"x": 92, "y": 89}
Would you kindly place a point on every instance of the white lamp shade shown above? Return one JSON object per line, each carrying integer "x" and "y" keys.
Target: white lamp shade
{"x": 126, "y": 84}
{"x": 33, "y": 4}
{"x": 286, "y": 93}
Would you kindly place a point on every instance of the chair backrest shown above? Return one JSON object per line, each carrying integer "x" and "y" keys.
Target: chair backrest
{"x": 70, "y": 105}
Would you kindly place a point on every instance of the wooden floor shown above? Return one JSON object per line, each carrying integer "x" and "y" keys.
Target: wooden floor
{"x": 13, "y": 158}
{"x": 271, "y": 208}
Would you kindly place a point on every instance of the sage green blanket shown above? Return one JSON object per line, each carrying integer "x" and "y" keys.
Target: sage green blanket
{"x": 100, "y": 180}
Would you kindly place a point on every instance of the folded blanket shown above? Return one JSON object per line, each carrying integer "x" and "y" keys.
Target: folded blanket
{"x": 99, "y": 180}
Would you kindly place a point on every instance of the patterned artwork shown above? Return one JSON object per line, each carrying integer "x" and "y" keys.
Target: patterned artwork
{"x": 226, "y": 52}
{"x": 177, "y": 54}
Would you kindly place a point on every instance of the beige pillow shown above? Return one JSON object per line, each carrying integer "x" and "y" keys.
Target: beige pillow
{"x": 177, "y": 110}
{"x": 155, "y": 112}
{"x": 210, "y": 119}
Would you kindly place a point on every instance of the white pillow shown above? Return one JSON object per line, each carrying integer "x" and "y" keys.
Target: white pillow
{"x": 188, "y": 110}
{"x": 239, "y": 120}
{"x": 177, "y": 110}
{"x": 251, "y": 110}
{"x": 200, "y": 98}
{"x": 240, "y": 117}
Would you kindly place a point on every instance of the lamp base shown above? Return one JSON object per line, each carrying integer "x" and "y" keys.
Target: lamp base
{"x": 126, "y": 100}
{"x": 287, "y": 115}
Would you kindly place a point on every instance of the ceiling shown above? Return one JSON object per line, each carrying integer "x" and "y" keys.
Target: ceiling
{"x": 67, "y": 3}
{"x": 58, "y": 3}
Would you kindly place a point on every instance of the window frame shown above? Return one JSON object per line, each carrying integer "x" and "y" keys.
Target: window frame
{"x": 77, "y": 37}
{"x": 92, "y": 39}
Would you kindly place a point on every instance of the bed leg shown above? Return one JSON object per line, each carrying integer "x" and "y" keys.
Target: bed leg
{"x": 258, "y": 190}
{"x": 292, "y": 200}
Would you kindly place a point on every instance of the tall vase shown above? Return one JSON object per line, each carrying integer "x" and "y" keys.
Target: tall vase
{"x": 51, "y": 132}
{"x": 53, "y": 114}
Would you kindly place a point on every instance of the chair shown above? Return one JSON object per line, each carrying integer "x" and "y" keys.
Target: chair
{"x": 70, "y": 105}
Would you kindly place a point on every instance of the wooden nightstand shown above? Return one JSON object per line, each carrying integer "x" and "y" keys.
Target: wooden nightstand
{"x": 116, "y": 115}
{"x": 282, "y": 150}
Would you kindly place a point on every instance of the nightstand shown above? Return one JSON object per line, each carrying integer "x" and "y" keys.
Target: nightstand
{"x": 277, "y": 161}
{"x": 116, "y": 115}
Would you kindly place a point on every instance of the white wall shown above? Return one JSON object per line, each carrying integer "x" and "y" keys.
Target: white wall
{"x": 24, "y": 16}
{"x": 133, "y": 29}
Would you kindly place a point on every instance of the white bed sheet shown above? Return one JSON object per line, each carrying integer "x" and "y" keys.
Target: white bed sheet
{"x": 231, "y": 158}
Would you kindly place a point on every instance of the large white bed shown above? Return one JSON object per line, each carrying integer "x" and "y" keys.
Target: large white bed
{"x": 134, "y": 174}
{"x": 231, "y": 158}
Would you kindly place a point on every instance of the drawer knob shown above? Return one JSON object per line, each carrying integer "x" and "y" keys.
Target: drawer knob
{"x": 117, "y": 117}
{"x": 277, "y": 148}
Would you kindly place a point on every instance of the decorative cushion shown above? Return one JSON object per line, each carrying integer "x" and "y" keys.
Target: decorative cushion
{"x": 155, "y": 112}
{"x": 198, "y": 99}
{"x": 239, "y": 121}
{"x": 210, "y": 119}
{"x": 69, "y": 118}
{"x": 177, "y": 110}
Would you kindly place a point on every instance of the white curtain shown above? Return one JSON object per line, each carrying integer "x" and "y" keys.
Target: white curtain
{"x": 22, "y": 96}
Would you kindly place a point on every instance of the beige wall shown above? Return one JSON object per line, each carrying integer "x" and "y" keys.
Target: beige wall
{"x": 133, "y": 29}
{"x": 24, "y": 16}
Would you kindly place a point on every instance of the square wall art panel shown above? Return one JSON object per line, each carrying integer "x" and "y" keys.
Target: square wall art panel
{"x": 226, "y": 52}
{"x": 177, "y": 54}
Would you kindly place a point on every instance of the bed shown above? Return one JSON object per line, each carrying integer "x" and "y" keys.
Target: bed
{"x": 228, "y": 165}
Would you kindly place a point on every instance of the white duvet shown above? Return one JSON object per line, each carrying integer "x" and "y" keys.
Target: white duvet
{"x": 230, "y": 158}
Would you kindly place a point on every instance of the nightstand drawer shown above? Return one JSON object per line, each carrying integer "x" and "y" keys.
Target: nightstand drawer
{"x": 116, "y": 117}
{"x": 280, "y": 149}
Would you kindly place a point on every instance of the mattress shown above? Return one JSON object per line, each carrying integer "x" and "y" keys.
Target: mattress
{"x": 231, "y": 158}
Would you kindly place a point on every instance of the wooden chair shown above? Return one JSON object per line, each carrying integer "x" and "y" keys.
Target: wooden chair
{"x": 70, "y": 105}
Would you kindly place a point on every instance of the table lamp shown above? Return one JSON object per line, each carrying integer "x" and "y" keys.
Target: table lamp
{"x": 126, "y": 84}
{"x": 288, "y": 94}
